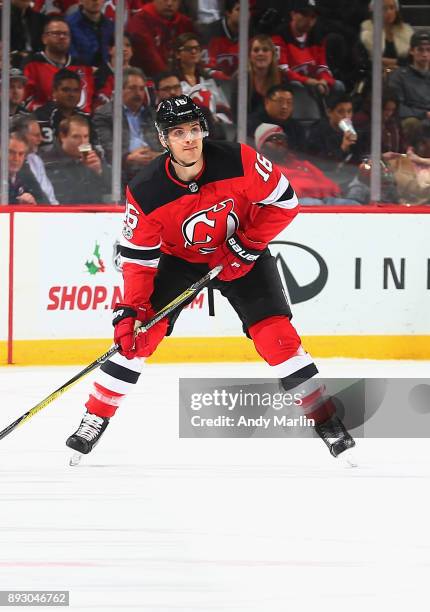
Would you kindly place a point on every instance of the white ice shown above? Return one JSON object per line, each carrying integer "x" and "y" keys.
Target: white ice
{"x": 156, "y": 523}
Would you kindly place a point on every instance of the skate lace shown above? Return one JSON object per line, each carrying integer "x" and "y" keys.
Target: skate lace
{"x": 90, "y": 427}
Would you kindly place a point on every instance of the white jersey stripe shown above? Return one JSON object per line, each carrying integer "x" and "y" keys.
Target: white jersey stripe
{"x": 278, "y": 192}
{"x": 126, "y": 243}
{"x": 149, "y": 263}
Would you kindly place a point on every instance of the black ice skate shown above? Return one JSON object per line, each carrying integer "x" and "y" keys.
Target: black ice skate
{"x": 87, "y": 435}
{"x": 334, "y": 434}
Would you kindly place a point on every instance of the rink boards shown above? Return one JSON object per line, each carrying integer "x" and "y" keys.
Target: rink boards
{"x": 358, "y": 285}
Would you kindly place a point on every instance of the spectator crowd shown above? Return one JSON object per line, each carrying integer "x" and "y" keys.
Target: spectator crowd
{"x": 309, "y": 93}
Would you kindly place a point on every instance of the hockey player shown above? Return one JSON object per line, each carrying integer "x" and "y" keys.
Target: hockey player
{"x": 202, "y": 204}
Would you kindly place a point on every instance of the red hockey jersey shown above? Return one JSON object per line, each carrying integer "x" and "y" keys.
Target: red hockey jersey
{"x": 40, "y": 72}
{"x": 302, "y": 59}
{"x": 153, "y": 37}
{"x": 308, "y": 180}
{"x": 237, "y": 188}
{"x": 223, "y": 50}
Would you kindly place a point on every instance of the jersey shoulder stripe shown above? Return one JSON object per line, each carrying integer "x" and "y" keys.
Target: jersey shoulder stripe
{"x": 152, "y": 187}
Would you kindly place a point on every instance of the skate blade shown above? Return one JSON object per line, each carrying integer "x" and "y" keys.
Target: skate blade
{"x": 349, "y": 459}
{"x": 75, "y": 459}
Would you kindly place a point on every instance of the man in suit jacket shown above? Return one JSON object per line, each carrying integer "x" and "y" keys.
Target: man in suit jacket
{"x": 140, "y": 143}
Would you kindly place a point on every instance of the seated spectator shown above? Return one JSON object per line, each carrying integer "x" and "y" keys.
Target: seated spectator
{"x": 153, "y": 31}
{"x": 302, "y": 50}
{"x": 23, "y": 186}
{"x": 412, "y": 171}
{"x": 91, "y": 32}
{"x": 42, "y": 67}
{"x": 195, "y": 79}
{"x": 392, "y": 138}
{"x": 336, "y": 24}
{"x": 78, "y": 174}
{"x": 222, "y": 40}
{"x": 411, "y": 84}
{"x": 104, "y": 76}
{"x": 334, "y": 143}
{"x": 17, "y": 82}
{"x": 66, "y": 93}
{"x": 278, "y": 109}
{"x": 28, "y": 127}
{"x": 309, "y": 183}
{"x": 167, "y": 84}
{"x": 26, "y": 26}
{"x": 263, "y": 73}
{"x": 396, "y": 36}
{"x": 140, "y": 142}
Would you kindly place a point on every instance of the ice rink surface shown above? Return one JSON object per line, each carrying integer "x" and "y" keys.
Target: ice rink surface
{"x": 156, "y": 523}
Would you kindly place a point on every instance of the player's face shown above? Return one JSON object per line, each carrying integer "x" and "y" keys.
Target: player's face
{"x": 186, "y": 142}
{"x": 67, "y": 94}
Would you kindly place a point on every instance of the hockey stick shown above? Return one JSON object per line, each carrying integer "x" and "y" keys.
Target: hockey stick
{"x": 195, "y": 288}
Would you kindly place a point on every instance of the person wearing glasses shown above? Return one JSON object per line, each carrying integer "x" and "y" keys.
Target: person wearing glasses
{"x": 196, "y": 80}
{"x": 201, "y": 205}
{"x": 153, "y": 31}
{"x": 42, "y": 67}
{"x": 167, "y": 84}
{"x": 278, "y": 109}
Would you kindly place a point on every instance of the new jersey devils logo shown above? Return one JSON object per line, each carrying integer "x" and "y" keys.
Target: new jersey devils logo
{"x": 211, "y": 226}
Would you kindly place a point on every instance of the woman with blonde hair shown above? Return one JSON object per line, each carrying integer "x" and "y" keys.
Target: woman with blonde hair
{"x": 264, "y": 71}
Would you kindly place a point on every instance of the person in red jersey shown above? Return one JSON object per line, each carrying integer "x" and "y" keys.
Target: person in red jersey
{"x": 153, "y": 31}
{"x": 41, "y": 67}
{"x": 204, "y": 204}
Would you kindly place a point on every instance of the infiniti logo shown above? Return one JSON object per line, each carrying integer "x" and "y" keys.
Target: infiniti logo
{"x": 299, "y": 292}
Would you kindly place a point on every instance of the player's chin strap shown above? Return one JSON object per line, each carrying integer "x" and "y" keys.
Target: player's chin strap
{"x": 180, "y": 163}
{"x": 166, "y": 146}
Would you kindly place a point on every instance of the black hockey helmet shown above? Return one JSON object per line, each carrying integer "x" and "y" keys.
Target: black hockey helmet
{"x": 176, "y": 110}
